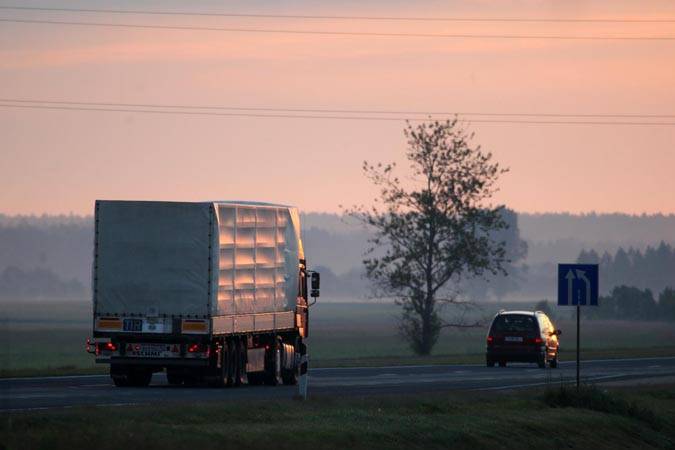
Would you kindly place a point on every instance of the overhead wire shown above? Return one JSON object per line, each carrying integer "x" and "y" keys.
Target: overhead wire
{"x": 335, "y": 111}
{"x": 342, "y": 33}
{"x": 329, "y": 117}
{"x": 343, "y": 17}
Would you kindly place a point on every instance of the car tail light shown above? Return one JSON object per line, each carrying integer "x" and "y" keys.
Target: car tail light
{"x": 537, "y": 340}
{"x": 490, "y": 339}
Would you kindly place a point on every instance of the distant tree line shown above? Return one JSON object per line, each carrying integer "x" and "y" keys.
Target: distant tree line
{"x": 625, "y": 303}
{"x": 653, "y": 268}
{"x": 63, "y": 245}
{"x": 632, "y": 303}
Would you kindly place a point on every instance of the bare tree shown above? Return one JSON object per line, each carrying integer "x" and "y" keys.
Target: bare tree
{"x": 431, "y": 231}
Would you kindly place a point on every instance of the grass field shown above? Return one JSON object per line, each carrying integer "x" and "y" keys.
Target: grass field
{"x": 49, "y": 338}
{"x": 593, "y": 419}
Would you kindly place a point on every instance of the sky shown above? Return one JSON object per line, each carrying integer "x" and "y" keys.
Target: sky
{"x": 56, "y": 161}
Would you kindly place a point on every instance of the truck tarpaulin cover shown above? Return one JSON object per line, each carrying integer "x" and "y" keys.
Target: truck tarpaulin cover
{"x": 211, "y": 258}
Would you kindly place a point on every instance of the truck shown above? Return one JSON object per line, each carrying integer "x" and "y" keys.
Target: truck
{"x": 209, "y": 292}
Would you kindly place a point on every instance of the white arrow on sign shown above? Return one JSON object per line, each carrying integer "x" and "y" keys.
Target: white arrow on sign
{"x": 570, "y": 281}
{"x": 582, "y": 276}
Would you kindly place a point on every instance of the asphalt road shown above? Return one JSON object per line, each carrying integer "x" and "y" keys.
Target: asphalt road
{"x": 60, "y": 392}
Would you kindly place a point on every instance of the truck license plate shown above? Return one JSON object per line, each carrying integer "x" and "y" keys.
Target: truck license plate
{"x": 150, "y": 350}
{"x": 133, "y": 324}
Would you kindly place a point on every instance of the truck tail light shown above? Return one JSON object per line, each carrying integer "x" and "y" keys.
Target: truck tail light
{"x": 197, "y": 348}
{"x": 105, "y": 346}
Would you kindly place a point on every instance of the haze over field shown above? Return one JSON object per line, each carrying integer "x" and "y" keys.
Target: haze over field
{"x": 52, "y": 254}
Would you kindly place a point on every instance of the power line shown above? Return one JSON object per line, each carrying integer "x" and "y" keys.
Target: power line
{"x": 336, "y": 111}
{"x": 342, "y": 33}
{"x": 341, "y": 17}
{"x": 330, "y": 117}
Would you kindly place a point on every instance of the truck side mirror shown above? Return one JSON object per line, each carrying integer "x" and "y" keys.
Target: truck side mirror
{"x": 316, "y": 284}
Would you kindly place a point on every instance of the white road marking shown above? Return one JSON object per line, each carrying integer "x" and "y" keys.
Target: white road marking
{"x": 515, "y": 386}
{"x": 322, "y": 369}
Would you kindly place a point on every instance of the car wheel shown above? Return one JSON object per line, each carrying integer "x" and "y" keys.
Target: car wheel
{"x": 490, "y": 363}
{"x": 502, "y": 363}
{"x": 553, "y": 363}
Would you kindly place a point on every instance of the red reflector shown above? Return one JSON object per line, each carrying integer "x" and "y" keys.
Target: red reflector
{"x": 193, "y": 348}
{"x": 110, "y": 346}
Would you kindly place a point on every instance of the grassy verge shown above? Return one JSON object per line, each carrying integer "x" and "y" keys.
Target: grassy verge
{"x": 643, "y": 418}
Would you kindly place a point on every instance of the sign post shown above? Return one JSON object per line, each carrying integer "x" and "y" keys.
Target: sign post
{"x": 578, "y": 286}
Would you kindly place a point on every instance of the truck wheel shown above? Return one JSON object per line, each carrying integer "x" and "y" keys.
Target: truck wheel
{"x": 119, "y": 375}
{"x": 256, "y": 378}
{"x": 290, "y": 376}
{"x": 273, "y": 365}
{"x": 174, "y": 378}
{"x": 140, "y": 378}
{"x": 240, "y": 362}
{"x": 224, "y": 376}
{"x": 120, "y": 381}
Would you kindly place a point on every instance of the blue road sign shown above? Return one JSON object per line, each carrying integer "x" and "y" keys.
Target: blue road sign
{"x": 578, "y": 284}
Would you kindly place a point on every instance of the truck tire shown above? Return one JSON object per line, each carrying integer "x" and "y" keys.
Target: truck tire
{"x": 119, "y": 375}
{"x": 290, "y": 376}
{"x": 139, "y": 378}
{"x": 224, "y": 375}
{"x": 240, "y": 362}
{"x": 273, "y": 364}
{"x": 256, "y": 378}
{"x": 120, "y": 381}
{"x": 174, "y": 378}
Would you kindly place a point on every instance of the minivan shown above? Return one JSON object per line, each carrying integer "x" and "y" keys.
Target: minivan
{"x": 522, "y": 336}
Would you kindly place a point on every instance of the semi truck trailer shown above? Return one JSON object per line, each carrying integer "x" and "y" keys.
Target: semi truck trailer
{"x": 213, "y": 292}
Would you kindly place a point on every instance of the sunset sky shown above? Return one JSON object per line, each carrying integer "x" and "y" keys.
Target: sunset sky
{"x": 56, "y": 161}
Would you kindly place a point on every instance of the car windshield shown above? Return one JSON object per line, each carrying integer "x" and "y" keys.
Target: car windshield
{"x": 510, "y": 323}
